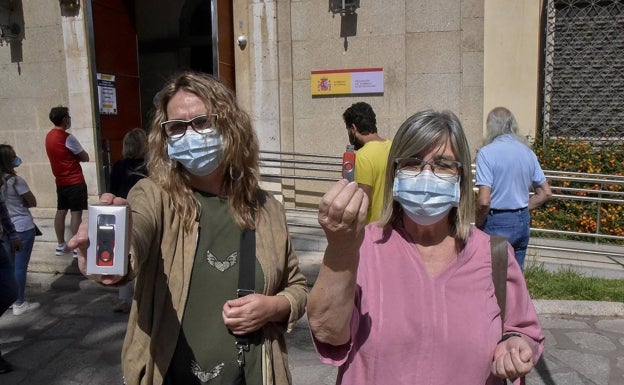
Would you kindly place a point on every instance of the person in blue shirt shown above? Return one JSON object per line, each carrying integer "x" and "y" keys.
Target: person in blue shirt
{"x": 507, "y": 172}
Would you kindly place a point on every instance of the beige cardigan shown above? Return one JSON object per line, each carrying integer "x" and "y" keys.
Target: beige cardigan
{"x": 162, "y": 255}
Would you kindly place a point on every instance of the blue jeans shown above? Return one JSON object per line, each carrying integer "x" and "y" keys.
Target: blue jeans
{"x": 515, "y": 226}
{"x": 8, "y": 288}
{"x": 20, "y": 260}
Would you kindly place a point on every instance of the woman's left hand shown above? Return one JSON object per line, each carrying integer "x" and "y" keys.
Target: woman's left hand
{"x": 513, "y": 358}
{"x": 249, "y": 313}
{"x": 17, "y": 244}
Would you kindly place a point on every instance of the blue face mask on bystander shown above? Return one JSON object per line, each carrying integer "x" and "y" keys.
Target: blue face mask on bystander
{"x": 17, "y": 161}
{"x": 425, "y": 197}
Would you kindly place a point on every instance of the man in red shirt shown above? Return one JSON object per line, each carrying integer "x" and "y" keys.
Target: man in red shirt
{"x": 65, "y": 154}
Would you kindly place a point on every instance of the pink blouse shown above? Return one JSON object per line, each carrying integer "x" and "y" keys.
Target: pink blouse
{"x": 410, "y": 328}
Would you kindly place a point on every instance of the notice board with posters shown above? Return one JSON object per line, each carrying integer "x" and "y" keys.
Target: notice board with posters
{"x": 107, "y": 95}
{"x": 353, "y": 81}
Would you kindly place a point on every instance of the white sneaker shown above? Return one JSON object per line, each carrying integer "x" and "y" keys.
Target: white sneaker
{"x": 62, "y": 249}
{"x": 24, "y": 307}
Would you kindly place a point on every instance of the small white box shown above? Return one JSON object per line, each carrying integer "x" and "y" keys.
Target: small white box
{"x": 109, "y": 237}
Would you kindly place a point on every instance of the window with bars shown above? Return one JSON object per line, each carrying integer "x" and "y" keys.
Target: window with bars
{"x": 583, "y": 90}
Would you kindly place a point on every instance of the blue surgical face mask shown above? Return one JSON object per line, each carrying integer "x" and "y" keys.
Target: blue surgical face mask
{"x": 17, "y": 161}
{"x": 200, "y": 154}
{"x": 426, "y": 198}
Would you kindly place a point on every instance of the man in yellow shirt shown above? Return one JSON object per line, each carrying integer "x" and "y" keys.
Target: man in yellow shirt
{"x": 371, "y": 157}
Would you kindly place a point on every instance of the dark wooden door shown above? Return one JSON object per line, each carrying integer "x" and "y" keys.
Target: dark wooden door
{"x": 226, "y": 42}
{"x": 116, "y": 52}
{"x": 115, "y": 41}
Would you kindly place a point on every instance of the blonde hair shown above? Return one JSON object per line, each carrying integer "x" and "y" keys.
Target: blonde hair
{"x": 134, "y": 144}
{"x": 240, "y": 151}
{"x": 416, "y": 135}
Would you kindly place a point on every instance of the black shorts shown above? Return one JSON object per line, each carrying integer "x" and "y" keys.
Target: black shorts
{"x": 73, "y": 198}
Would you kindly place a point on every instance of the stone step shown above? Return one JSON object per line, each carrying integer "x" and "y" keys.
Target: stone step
{"x": 310, "y": 242}
{"x": 306, "y": 235}
{"x": 44, "y": 266}
{"x": 44, "y": 260}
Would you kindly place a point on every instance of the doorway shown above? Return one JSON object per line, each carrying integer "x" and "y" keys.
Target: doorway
{"x": 139, "y": 44}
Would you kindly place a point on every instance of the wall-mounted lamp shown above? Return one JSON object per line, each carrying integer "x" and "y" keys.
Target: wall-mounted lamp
{"x": 348, "y": 18}
{"x": 9, "y": 33}
{"x": 343, "y": 7}
{"x": 69, "y": 7}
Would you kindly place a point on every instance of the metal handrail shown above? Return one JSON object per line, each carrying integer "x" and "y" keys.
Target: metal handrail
{"x": 553, "y": 173}
{"x": 327, "y": 168}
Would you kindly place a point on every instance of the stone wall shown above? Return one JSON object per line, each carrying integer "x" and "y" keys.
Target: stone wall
{"x": 434, "y": 55}
{"x": 51, "y": 70}
{"x": 431, "y": 54}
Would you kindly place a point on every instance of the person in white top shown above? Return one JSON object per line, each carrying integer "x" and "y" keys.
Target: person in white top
{"x": 18, "y": 198}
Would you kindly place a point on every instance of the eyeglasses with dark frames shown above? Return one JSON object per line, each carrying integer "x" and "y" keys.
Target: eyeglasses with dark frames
{"x": 202, "y": 124}
{"x": 442, "y": 168}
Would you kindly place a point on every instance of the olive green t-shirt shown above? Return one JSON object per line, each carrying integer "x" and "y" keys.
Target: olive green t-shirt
{"x": 206, "y": 351}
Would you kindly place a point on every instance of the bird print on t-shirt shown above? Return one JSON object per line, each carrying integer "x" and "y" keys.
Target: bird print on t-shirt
{"x": 222, "y": 265}
{"x": 205, "y": 376}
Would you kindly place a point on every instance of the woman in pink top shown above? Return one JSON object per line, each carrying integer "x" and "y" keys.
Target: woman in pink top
{"x": 410, "y": 300}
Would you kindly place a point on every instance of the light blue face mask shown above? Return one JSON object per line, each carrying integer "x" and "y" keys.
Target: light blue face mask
{"x": 200, "y": 154}
{"x": 425, "y": 197}
{"x": 17, "y": 161}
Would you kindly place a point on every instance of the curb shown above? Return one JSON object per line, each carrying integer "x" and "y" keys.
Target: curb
{"x": 61, "y": 273}
{"x": 579, "y": 308}
{"x": 71, "y": 282}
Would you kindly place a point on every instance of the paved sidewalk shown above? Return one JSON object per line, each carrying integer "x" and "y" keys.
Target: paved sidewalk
{"x": 75, "y": 338}
{"x": 581, "y": 350}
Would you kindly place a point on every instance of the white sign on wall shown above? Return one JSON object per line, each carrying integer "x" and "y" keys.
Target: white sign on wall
{"x": 107, "y": 94}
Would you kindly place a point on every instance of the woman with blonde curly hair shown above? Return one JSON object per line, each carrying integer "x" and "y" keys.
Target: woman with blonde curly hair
{"x": 201, "y": 197}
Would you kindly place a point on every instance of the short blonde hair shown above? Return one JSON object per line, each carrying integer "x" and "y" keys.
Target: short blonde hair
{"x": 134, "y": 144}
{"x": 416, "y": 135}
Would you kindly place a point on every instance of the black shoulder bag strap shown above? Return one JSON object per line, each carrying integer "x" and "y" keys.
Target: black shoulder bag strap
{"x": 247, "y": 267}
{"x": 498, "y": 246}
{"x": 246, "y": 285}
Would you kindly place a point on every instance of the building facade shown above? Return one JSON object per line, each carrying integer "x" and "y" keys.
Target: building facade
{"x": 106, "y": 59}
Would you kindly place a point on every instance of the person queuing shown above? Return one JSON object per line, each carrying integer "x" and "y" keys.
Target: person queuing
{"x": 410, "y": 299}
{"x": 18, "y": 199}
{"x": 125, "y": 173}
{"x": 8, "y": 287}
{"x": 202, "y": 192}
{"x": 372, "y": 154}
{"x": 65, "y": 154}
{"x": 506, "y": 172}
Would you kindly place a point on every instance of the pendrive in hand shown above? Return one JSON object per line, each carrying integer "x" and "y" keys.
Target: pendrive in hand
{"x": 105, "y": 240}
{"x": 108, "y": 252}
{"x": 348, "y": 164}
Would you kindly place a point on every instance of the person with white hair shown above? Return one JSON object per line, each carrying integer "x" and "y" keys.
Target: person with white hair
{"x": 507, "y": 171}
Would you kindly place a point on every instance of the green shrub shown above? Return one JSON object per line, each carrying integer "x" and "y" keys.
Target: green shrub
{"x": 563, "y": 154}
